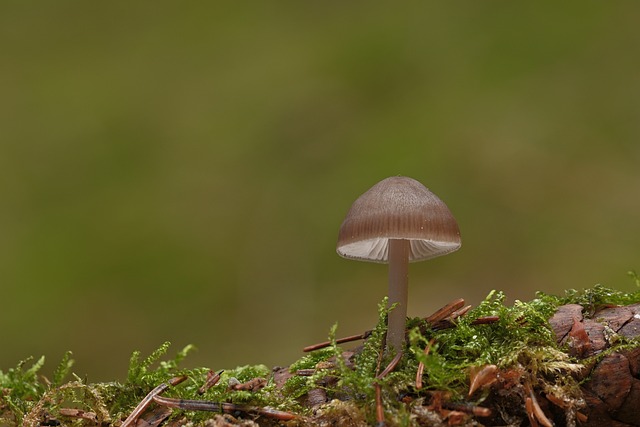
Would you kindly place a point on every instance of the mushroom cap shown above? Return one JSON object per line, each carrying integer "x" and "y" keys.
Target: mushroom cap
{"x": 398, "y": 208}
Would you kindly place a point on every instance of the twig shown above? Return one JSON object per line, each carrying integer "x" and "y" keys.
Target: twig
{"x": 229, "y": 408}
{"x": 379, "y": 407}
{"x": 445, "y": 311}
{"x": 390, "y": 367}
{"x": 420, "y": 370}
{"x": 212, "y": 379}
{"x": 146, "y": 401}
{"x": 485, "y": 320}
{"x": 325, "y": 344}
{"x": 478, "y": 411}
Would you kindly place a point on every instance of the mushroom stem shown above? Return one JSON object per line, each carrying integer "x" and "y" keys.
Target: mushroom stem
{"x": 398, "y": 292}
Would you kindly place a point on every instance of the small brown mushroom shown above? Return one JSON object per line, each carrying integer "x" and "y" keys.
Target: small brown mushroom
{"x": 398, "y": 221}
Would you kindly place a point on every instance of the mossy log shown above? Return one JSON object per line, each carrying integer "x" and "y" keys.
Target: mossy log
{"x": 611, "y": 383}
{"x": 571, "y": 361}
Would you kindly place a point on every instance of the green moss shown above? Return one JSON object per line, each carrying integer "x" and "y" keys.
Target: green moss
{"x": 20, "y": 387}
{"x": 519, "y": 339}
{"x": 594, "y": 298}
{"x": 297, "y": 386}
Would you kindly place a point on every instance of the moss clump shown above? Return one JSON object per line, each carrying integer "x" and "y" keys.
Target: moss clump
{"x": 28, "y": 401}
{"x": 519, "y": 329}
{"x": 598, "y": 296}
{"x": 518, "y": 340}
{"x": 20, "y": 386}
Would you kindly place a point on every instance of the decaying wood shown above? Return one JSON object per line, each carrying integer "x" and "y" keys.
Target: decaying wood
{"x": 609, "y": 393}
{"x": 612, "y": 384}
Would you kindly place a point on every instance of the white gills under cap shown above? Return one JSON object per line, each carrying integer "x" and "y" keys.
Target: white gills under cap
{"x": 398, "y": 208}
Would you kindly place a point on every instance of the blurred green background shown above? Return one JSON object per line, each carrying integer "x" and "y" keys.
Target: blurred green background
{"x": 179, "y": 171}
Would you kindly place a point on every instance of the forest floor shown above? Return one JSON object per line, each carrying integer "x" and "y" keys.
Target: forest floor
{"x": 565, "y": 361}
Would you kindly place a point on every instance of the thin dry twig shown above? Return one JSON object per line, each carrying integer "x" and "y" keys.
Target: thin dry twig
{"x": 420, "y": 369}
{"x": 362, "y": 336}
{"x": 445, "y": 311}
{"x": 391, "y": 366}
{"x": 146, "y": 401}
{"x": 229, "y": 408}
{"x": 212, "y": 379}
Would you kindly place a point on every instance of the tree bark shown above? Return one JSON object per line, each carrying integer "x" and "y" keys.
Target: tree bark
{"x": 612, "y": 384}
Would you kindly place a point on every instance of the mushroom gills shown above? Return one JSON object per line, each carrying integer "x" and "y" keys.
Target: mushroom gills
{"x": 377, "y": 250}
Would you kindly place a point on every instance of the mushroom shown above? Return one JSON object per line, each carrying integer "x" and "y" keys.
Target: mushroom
{"x": 398, "y": 221}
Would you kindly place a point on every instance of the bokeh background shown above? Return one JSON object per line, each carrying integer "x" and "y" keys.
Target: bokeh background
{"x": 179, "y": 171}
